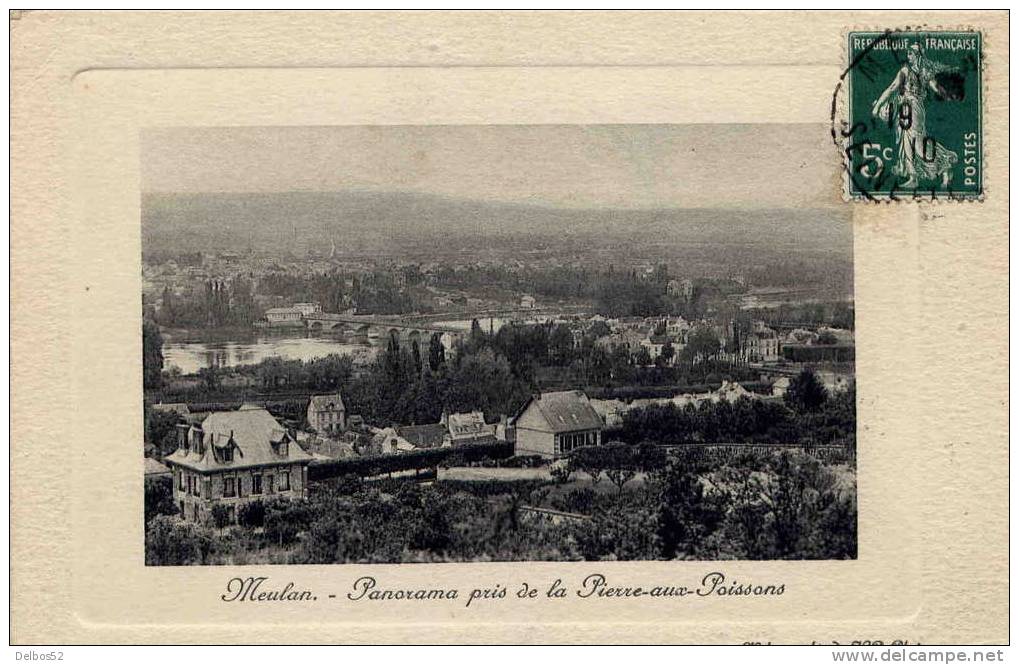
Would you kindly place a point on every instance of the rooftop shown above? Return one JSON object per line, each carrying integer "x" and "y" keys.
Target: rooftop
{"x": 567, "y": 411}
{"x": 251, "y": 431}
{"x": 423, "y": 436}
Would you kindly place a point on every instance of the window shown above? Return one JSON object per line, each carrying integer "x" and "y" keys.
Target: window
{"x": 283, "y": 449}
{"x": 228, "y": 487}
{"x": 268, "y": 484}
{"x": 231, "y": 515}
{"x": 180, "y": 480}
{"x": 284, "y": 481}
{"x": 228, "y": 454}
{"x": 256, "y": 483}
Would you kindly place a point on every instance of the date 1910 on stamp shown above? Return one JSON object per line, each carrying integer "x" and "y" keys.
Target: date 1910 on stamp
{"x": 913, "y": 128}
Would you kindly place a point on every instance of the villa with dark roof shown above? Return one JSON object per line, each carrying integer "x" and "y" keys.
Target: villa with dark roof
{"x": 554, "y": 424}
{"x": 232, "y": 458}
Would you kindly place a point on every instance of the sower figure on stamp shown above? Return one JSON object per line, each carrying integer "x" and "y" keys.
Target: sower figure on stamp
{"x": 919, "y": 156}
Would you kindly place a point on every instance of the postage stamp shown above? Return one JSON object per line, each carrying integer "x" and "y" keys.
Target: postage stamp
{"x": 913, "y": 127}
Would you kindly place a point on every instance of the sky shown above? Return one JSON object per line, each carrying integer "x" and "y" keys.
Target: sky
{"x": 572, "y": 166}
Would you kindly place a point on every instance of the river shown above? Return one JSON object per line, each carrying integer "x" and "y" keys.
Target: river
{"x": 191, "y": 355}
{"x": 192, "y": 350}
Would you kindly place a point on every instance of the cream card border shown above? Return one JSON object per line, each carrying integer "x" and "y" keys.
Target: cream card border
{"x": 931, "y": 285}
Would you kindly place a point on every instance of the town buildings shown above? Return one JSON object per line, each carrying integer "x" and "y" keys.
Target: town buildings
{"x": 232, "y": 458}
{"x": 554, "y": 424}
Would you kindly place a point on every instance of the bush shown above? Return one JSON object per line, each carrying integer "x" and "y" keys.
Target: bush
{"x": 285, "y": 518}
{"x": 220, "y": 515}
{"x": 561, "y": 471}
{"x": 419, "y": 459}
{"x": 252, "y": 514}
{"x": 172, "y": 542}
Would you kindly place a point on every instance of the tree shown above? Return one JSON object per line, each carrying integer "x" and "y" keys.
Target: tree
{"x": 152, "y": 355}
{"x": 590, "y": 461}
{"x": 702, "y": 345}
{"x": 619, "y": 463}
{"x": 436, "y": 352}
{"x": 643, "y": 357}
{"x": 477, "y": 334}
{"x": 159, "y": 497}
{"x": 560, "y": 345}
{"x": 220, "y": 516}
{"x": 827, "y": 338}
{"x": 599, "y": 329}
{"x": 171, "y": 542}
{"x": 806, "y": 393}
{"x": 210, "y": 378}
{"x": 620, "y": 476}
{"x": 415, "y": 354}
{"x": 161, "y": 430}
{"x": 668, "y": 352}
{"x": 685, "y": 514}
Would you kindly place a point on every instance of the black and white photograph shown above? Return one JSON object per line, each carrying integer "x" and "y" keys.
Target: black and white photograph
{"x": 485, "y": 343}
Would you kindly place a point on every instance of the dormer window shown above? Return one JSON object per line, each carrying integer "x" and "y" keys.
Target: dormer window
{"x": 283, "y": 448}
{"x": 228, "y": 454}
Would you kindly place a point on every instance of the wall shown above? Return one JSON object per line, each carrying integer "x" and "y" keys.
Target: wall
{"x": 212, "y": 488}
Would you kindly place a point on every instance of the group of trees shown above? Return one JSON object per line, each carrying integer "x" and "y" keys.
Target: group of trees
{"x": 773, "y": 506}
{"x": 219, "y": 303}
{"x": 406, "y": 384}
{"x": 614, "y": 291}
{"x": 839, "y": 314}
{"x": 808, "y": 414}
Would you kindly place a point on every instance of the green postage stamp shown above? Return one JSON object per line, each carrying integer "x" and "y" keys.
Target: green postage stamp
{"x": 913, "y": 128}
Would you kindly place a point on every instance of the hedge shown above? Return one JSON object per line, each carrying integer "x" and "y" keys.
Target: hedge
{"x": 816, "y": 353}
{"x": 375, "y": 465}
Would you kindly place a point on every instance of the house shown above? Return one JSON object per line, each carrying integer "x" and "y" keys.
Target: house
{"x": 388, "y": 441}
{"x": 467, "y": 427}
{"x": 283, "y": 316}
{"x": 655, "y": 344}
{"x": 527, "y": 302}
{"x": 232, "y": 458}
{"x": 627, "y": 339}
{"x": 327, "y": 414}
{"x": 307, "y": 308}
{"x": 677, "y": 328}
{"x": 610, "y": 410}
{"x": 179, "y": 408}
{"x": 153, "y": 469}
{"x": 425, "y": 436}
{"x": 762, "y": 344}
{"x": 554, "y": 424}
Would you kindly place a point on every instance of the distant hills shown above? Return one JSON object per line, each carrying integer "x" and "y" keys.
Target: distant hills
{"x": 368, "y": 221}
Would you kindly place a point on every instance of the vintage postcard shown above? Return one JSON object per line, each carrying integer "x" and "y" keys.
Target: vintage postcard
{"x": 451, "y": 332}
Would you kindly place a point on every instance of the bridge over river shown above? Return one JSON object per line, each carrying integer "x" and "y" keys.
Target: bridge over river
{"x": 365, "y": 323}
{"x": 417, "y": 324}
